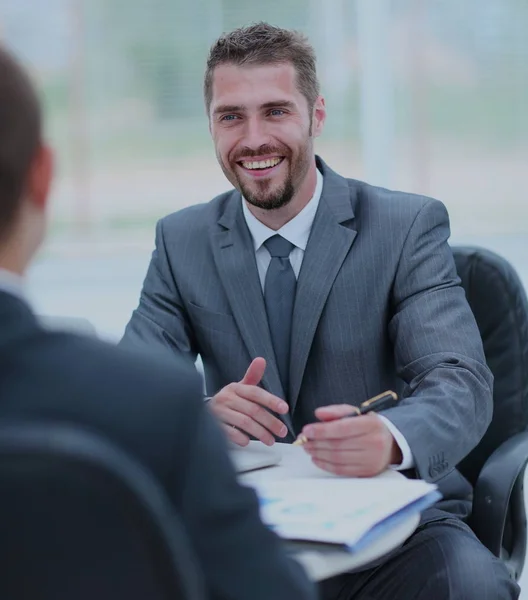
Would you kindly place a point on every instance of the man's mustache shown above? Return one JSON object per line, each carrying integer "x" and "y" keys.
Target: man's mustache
{"x": 263, "y": 150}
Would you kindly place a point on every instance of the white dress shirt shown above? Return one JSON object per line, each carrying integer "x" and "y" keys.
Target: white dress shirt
{"x": 297, "y": 231}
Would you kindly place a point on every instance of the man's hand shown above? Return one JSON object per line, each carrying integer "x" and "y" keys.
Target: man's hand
{"x": 241, "y": 407}
{"x": 360, "y": 446}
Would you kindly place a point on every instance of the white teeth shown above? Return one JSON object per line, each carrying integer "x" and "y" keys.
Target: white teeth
{"x": 261, "y": 164}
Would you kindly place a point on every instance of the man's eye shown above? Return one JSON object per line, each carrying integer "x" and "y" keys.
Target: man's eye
{"x": 229, "y": 117}
{"x": 276, "y": 112}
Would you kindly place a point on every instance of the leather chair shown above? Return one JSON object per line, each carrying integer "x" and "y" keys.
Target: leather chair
{"x": 80, "y": 519}
{"x": 496, "y": 466}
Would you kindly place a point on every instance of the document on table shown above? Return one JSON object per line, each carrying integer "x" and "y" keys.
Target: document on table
{"x": 349, "y": 512}
{"x": 254, "y": 456}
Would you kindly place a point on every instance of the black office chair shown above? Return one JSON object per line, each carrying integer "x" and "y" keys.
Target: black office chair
{"x": 79, "y": 519}
{"x": 496, "y": 467}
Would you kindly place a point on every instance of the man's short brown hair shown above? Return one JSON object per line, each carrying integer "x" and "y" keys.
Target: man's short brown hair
{"x": 20, "y": 136}
{"x": 263, "y": 44}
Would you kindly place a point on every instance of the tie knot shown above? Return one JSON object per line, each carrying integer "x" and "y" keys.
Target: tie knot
{"x": 278, "y": 246}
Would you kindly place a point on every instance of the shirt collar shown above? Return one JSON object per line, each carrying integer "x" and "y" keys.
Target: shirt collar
{"x": 11, "y": 283}
{"x": 296, "y": 231}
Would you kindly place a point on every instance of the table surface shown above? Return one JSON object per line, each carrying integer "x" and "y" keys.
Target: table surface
{"x": 319, "y": 560}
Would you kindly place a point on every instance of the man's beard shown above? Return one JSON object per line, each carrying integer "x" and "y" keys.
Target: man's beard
{"x": 272, "y": 200}
{"x": 266, "y": 198}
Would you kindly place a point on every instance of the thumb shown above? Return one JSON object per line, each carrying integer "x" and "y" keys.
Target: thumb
{"x": 255, "y": 372}
{"x": 335, "y": 411}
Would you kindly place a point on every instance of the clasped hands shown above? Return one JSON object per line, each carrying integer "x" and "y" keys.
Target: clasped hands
{"x": 361, "y": 446}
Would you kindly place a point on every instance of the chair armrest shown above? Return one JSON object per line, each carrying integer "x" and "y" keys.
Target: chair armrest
{"x": 499, "y": 494}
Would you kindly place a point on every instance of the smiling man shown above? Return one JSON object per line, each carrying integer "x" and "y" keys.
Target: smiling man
{"x": 305, "y": 293}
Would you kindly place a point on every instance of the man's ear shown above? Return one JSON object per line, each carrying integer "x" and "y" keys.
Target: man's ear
{"x": 40, "y": 177}
{"x": 318, "y": 117}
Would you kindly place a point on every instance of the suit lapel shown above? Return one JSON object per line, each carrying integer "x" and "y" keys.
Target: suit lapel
{"x": 235, "y": 260}
{"x": 329, "y": 243}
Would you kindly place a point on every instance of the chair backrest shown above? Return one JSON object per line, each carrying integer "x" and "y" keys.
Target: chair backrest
{"x": 81, "y": 519}
{"x": 498, "y": 301}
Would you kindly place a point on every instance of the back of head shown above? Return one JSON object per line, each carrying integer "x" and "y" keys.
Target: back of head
{"x": 264, "y": 44}
{"x": 20, "y": 137}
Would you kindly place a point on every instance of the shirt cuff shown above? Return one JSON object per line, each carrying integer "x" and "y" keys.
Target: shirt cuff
{"x": 407, "y": 457}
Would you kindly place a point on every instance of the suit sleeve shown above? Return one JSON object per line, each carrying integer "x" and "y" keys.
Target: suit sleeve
{"x": 447, "y": 400}
{"x": 160, "y": 320}
{"x": 241, "y": 558}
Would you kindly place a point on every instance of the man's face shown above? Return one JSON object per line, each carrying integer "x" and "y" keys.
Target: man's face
{"x": 263, "y": 130}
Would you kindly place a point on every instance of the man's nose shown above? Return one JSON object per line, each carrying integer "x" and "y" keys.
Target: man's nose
{"x": 256, "y": 134}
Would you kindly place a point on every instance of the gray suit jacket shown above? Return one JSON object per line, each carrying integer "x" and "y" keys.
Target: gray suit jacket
{"x": 378, "y": 306}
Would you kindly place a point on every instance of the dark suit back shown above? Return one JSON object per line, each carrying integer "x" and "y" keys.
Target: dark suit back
{"x": 152, "y": 410}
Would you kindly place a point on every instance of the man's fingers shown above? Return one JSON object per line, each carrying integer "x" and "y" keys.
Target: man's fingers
{"x": 250, "y": 409}
{"x": 255, "y": 372}
{"x": 259, "y": 414}
{"x": 235, "y": 435}
{"x": 262, "y": 397}
{"x": 248, "y": 425}
{"x": 335, "y": 411}
{"x": 341, "y": 428}
{"x": 355, "y": 444}
{"x": 334, "y": 430}
{"x": 353, "y": 458}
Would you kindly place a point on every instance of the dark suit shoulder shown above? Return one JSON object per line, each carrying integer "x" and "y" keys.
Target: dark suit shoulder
{"x": 149, "y": 402}
{"x": 381, "y": 198}
{"x": 156, "y": 370}
{"x": 391, "y": 207}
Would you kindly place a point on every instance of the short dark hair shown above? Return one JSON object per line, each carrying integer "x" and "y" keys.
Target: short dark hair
{"x": 264, "y": 44}
{"x": 20, "y": 135}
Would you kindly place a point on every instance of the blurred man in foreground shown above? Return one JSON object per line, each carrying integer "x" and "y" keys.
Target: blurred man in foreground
{"x": 148, "y": 408}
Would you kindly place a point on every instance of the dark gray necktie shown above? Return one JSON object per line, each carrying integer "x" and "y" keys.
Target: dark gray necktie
{"x": 279, "y": 296}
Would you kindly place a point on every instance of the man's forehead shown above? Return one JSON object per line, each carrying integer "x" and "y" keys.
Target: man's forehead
{"x": 231, "y": 75}
{"x": 269, "y": 82}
